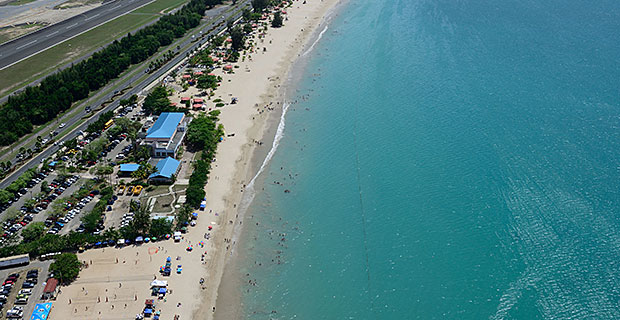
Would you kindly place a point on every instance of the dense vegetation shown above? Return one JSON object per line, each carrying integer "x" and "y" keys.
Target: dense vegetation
{"x": 66, "y": 268}
{"x": 157, "y": 102}
{"x": 55, "y": 94}
{"x": 203, "y": 134}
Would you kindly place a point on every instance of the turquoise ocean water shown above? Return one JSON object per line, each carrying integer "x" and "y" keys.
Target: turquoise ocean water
{"x": 446, "y": 159}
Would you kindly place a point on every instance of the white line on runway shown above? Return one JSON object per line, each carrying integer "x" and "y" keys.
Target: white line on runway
{"x": 51, "y": 34}
{"x": 91, "y": 17}
{"x": 27, "y": 44}
{"x": 69, "y": 38}
{"x": 73, "y": 25}
{"x": 115, "y": 7}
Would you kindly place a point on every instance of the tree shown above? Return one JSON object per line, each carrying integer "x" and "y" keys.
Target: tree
{"x": 160, "y": 227}
{"x": 104, "y": 171}
{"x": 238, "y": 38}
{"x": 141, "y": 220}
{"x": 247, "y": 14}
{"x": 57, "y": 208}
{"x": 182, "y": 217}
{"x": 33, "y": 231}
{"x": 277, "y": 20}
{"x": 66, "y": 268}
{"x": 260, "y": 5}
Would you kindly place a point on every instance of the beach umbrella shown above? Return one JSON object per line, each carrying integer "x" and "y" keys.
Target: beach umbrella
{"x": 162, "y": 290}
{"x": 167, "y": 236}
{"x": 153, "y": 238}
{"x": 147, "y": 239}
{"x": 98, "y": 243}
{"x": 168, "y": 259}
{"x": 127, "y": 241}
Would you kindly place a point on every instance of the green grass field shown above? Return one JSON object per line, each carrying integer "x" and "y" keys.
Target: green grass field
{"x": 160, "y": 6}
{"x": 26, "y": 71}
{"x": 18, "y": 2}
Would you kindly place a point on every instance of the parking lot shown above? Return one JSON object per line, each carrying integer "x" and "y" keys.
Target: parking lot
{"x": 22, "y": 293}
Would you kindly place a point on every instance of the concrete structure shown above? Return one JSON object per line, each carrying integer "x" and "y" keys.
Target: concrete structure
{"x": 167, "y": 169}
{"x": 166, "y": 134}
{"x": 49, "y": 291}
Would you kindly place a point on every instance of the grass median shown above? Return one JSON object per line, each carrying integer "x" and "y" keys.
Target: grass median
{"x": 45, "y": 62}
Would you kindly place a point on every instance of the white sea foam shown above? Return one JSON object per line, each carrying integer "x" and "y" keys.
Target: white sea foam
{"x": 249, "y": 190}
{"x": 315, "y": 42}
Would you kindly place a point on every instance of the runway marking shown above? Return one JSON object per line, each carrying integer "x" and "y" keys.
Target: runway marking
{"x": 71, "y": 37}
{"x": 91, "y": 17}
{"x": 27, "y": 44}
{"x": 73, "y": 25}
{"x": 51, "y": 34}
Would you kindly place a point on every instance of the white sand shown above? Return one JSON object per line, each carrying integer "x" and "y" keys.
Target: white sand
{"x": 137, "y": 266}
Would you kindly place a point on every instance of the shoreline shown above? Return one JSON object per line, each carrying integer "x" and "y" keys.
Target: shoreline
{"x": 121, "y": 277}
{"x": 228, "y": 300}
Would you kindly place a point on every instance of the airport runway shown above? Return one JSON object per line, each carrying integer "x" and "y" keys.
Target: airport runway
{"x": 21, "y": 48}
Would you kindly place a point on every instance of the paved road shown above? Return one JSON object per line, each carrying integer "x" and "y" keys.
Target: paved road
{"x": 136, "y": 89}
{"x": 21, "y": 48}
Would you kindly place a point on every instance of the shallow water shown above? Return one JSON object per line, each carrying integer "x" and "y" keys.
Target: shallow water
{"x": 446, "y": 160}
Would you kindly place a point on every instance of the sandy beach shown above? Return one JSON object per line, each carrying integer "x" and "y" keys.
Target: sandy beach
{"x": 116, "y": 282}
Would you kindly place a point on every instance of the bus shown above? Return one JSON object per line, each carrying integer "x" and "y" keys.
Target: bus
{"x": 108, "y": 124}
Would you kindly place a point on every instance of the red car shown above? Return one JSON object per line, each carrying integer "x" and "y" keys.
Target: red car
{"x": 23, "y": 223}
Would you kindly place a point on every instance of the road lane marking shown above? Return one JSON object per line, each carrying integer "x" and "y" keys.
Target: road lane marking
{"x": 51, "y": 34}
{"x": 73, "y": 25}
{"x": 91, "y": 17}
{"x": 27, "y": 44}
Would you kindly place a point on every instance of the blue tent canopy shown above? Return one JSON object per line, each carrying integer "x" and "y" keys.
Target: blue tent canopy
{"x": 129, "y": 167}
{"x": 139, "y": 239}
{"x": 98, "y": 243}
{"x": 194, "y": 214}
{"x": 41, "y": 311}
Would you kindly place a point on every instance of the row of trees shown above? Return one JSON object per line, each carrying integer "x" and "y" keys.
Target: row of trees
{"x": 39, "y": 104}
{"x": 203, "y": 134}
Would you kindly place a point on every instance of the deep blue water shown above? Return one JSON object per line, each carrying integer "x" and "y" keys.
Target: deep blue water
{"x": 446, "y": 160}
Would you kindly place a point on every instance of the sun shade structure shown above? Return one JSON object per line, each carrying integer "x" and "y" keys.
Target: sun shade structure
{"x": 129, "y": 167}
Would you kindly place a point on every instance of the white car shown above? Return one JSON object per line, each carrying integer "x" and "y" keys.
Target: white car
{"x": 62, "y": 125}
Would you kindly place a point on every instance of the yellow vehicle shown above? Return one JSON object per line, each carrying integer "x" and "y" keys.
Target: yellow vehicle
{"x": 137, "y": 190}
{"x": 108, "y": 124}
{"x": 73, "y": 151}
{"x": 121, "y": 190}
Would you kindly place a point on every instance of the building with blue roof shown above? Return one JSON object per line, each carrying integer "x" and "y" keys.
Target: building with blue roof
{"x": 167, "y": 169}
{"x": 167, "y": 133}
{"x": 128, "y": 168}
